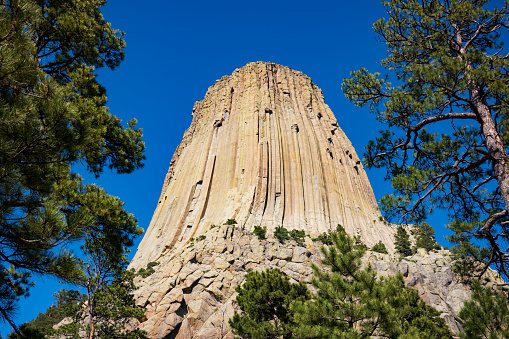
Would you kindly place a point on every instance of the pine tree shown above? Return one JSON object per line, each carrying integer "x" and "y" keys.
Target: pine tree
{"x": 104, "y": 311}
{"x": 265, "y": 300}
{"x": 281, "y": 234}
{"x": 402, "y": 242}
{"x": 52, "y": 117}
{"x": 486, "y": 315}
{"x": 380, "y": 248}
{"x": 352, "y": 302}
{"x": 444, "y": 102}
{"x": 425, "y": 237}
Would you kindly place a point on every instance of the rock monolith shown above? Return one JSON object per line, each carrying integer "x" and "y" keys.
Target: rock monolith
{"x": 263, "y": 149}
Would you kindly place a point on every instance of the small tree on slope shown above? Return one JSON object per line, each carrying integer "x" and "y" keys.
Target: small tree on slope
{"x": 425, "y": 237}
{"x": 402, "y": 242}
{"x": 352, "y": 302}
{"x": 265, "y": 300}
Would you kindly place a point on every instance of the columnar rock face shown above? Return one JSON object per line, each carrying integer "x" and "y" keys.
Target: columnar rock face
{"x": 263, "y": 149}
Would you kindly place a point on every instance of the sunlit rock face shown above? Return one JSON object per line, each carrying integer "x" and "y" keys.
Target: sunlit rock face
{"x": 264, "y": 149}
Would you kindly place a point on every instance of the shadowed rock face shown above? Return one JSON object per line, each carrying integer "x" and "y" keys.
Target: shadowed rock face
{"x": 263, "y": 149}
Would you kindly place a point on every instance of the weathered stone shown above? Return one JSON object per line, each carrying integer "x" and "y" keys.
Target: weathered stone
{"x": 212, "y": 179}
{"x": 264, "y": 149}
{"x": 402, "y": 268}
{"x": 209, "y": 272}
{"x": 285, "y": 254}
{"x": 227, "y": 275}
{"x": 175, "y": 268}
{"x": 191, "y": 279}
{"x": 295, "y": 267}
{"x": 300, "y": 254}
{"x": 220, "y": 264}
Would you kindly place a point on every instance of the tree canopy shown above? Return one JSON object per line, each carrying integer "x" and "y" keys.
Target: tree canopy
{"x": 265, "y": 300}
{"x": 53, "y": 116}
{"x": 352, "y": 302}
{"x": 486, "y": 315}
{"x": 349, "y": 301}
{"x": 447, "y": 113}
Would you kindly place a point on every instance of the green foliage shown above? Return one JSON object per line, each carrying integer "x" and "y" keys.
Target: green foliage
{"x": 13, "y": 285}
{"x": 53, "y": 117}
{"x": 152, "y": 264}
{"x": 446, "y": 141}
{"x": 470, "y": 258}
{"x": 27, "y": 332}
{"x": 486, "y": 315}
{"x": 281, "y": 234}
{"x": 230, "y": 222}
{"x": 402, "y": 242}
{"x": 265, "y": 300}
{"x": 66, "y": 302}
{"x": 326, "y": 239}
{"x": 212, "y": 226}
{"x": 380, "y": 248}
{"x": 260, "y": 232}
{"x": 202, "y": 237}
{"x": 145, "y": 272}
{"x": 110, "y": 308}
{"x": 425, "y": 237}
{"x": 359, "y": 244}
{"x": 352, "y": 302}
{"x": 298, "y": 236}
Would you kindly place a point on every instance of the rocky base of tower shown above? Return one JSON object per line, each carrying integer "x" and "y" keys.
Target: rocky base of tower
{"x": 192, "y": 294}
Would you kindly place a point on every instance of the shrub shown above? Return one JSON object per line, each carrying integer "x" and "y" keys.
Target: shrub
{"x": 152, "y": 264}
{"x": 325, "y": 238}
{"x": 230, "y": 222}
{"x": 260, "y": 232}
{"x": 281, "y": 234}
{"x": 145, "y": 272}
{"x": 359, "y": 244}
{"x": 201, "y": 237}
{"x": 380, "y": 248}
{"x": 298, "y": 236}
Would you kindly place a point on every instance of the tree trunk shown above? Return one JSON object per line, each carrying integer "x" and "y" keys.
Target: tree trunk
{"x": 494, "y": 146}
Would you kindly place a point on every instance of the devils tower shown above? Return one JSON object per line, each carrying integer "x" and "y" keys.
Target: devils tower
{"x": 263, "y": 149}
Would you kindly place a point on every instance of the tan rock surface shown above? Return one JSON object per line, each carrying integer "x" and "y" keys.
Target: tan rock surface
{"x": 202, "y": 297}
{"x": 263, "y": 148}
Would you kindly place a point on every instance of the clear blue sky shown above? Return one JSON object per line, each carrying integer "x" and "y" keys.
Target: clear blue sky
{"x": 177, "y": 49}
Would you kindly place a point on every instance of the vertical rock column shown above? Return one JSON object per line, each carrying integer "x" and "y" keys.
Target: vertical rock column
{"x": 264, "y": 149}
